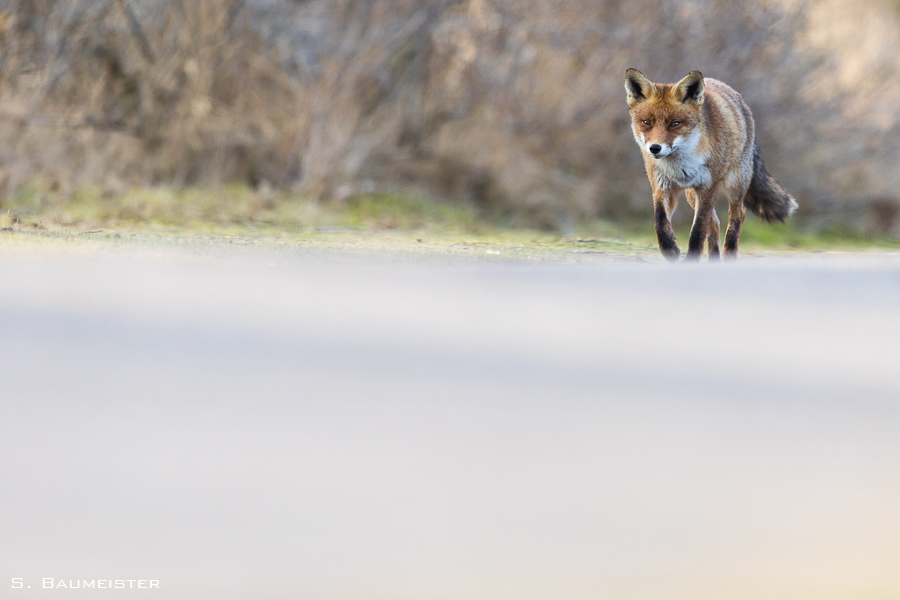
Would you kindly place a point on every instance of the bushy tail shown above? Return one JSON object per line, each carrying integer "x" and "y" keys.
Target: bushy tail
{"x": 765, "y": 197}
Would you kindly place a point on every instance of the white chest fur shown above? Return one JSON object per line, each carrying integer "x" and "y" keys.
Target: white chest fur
{"x": 685, "y": 167}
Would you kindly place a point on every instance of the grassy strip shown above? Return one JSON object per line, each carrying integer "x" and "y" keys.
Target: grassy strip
{"x": 238, "y": 212}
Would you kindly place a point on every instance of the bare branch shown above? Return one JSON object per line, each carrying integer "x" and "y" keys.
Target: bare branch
{"x": 138, "y": 32}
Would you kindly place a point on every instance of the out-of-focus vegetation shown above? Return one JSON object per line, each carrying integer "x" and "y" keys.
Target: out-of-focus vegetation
{"x": 238, "y": 206}
{"x": 508, "y": 112}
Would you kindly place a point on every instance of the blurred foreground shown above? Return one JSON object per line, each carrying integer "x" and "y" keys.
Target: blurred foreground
{"x": 262, "y": 425}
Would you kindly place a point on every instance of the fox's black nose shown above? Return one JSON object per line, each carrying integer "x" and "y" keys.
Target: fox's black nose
{"x": 655, "y": 148}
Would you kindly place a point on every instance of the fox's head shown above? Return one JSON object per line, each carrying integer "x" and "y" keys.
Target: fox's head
{"x": 664, "y": 115}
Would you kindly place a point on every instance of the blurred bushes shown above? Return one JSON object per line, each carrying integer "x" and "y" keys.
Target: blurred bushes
{"x": 513, "y": 107}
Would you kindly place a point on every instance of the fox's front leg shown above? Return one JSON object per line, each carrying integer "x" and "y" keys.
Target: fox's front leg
{"x": 703, "y": 210}
{"x": 663, "y": 206}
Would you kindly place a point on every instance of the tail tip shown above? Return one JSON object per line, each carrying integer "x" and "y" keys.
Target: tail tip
{"x": 792, "y": 206}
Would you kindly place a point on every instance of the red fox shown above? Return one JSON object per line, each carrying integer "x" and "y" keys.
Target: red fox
{"x": 698, "y": 136}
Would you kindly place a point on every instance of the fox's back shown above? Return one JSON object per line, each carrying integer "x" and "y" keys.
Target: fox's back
{"x": 729, "y": 124}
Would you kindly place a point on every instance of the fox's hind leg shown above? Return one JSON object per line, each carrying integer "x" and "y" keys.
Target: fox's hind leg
{"x": 712, "y": 241}
{"x": 705, "y": 203}
{"x": 736, "y": 213}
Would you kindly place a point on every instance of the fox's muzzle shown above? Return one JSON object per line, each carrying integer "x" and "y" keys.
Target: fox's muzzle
{"x": 660, "y": 150}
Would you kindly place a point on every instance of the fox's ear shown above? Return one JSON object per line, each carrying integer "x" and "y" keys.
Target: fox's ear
{"x": 638, "y": 87}
{"x": 690, "y": 89}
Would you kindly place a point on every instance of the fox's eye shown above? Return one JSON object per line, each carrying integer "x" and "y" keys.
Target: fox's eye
{"x": 646, "y": 122}
{"x": 675, "y": 124}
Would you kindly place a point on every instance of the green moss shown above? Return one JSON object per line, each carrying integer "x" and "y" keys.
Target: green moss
{"x": 407, "y": 212}
{"x": 797, "y": 234}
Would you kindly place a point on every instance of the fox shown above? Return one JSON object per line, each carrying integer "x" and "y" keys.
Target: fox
{"x": 698, "y": 136}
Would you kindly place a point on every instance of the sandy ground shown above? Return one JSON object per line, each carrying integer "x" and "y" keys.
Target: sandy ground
{"x": 332, "y": 423}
